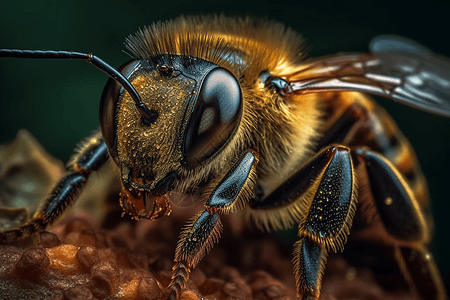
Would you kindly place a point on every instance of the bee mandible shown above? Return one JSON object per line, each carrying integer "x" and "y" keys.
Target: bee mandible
{"x": 231, "y": 113}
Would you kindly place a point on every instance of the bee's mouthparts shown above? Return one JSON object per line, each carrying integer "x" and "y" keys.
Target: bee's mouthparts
{"x": 138, "y": 199}
{"x": 142, "y": 204}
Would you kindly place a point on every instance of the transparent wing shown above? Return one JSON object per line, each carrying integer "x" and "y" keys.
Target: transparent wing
{"x": 396, "y": 68}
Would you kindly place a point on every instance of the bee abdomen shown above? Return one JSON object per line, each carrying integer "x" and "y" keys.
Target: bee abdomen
{"x": 399, "y": 151}
{"x": 355, "y": 120}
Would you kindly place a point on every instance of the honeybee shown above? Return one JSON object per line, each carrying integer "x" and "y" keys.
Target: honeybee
{"x": 231, "y": 113}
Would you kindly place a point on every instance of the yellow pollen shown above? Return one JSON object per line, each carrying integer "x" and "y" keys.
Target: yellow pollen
{"x": 388, "y": 201}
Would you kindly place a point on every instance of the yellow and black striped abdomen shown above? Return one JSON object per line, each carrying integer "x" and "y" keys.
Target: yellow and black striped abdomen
{"x": 355, "y": 120}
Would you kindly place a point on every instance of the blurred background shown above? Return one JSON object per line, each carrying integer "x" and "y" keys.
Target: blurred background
{"x": 58, "y": 100}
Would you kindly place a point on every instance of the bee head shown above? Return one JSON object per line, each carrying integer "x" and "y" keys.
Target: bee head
{"x": 197, "y": 107}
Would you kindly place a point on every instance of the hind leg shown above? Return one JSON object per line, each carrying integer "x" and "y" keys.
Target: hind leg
{"x": 396, "y": 219}
{"x": 392, "y": 189}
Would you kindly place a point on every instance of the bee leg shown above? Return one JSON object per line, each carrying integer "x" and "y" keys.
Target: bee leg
{"x": 321, "y": 198}
{"x": 200, "y": 233}
{"x": 397, "y": 220}
{"x": 330, "y": 208}
{"x": 90, "y": 157}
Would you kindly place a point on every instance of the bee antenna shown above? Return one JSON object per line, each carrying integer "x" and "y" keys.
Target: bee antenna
{"x": 149, "y": 115}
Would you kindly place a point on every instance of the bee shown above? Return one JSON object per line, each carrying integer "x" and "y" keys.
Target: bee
{"x": 229, "y": 112}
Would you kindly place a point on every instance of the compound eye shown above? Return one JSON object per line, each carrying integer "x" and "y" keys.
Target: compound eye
{"x": 108, "y": 105}
{"x": 216, "y": 116}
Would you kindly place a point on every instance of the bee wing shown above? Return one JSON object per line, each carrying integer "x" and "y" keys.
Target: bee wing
{"x": 396, "y": 68}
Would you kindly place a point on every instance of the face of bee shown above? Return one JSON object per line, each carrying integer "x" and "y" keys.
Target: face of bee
{"x": 202, "y": 80}
{"x": 198, "y": 106}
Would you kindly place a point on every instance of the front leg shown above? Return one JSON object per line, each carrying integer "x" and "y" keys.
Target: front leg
{"x": 199, "y": 235}
{"x": 91, "y": 156}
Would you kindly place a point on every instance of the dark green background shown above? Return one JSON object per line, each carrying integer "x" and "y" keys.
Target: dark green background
{"x": 58, "y": 100}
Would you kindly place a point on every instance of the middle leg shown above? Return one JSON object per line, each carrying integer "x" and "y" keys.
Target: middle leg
{"x": 321, "y": 198}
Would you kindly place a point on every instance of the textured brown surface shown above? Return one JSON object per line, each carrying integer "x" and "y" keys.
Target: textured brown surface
{"x": 133, "y": 261}
{"x": 125, "y": 259}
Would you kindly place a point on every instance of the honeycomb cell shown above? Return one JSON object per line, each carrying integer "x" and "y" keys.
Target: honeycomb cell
{"x": 87, "y": 256}
{"x": 79, "y": 292}
{"x": 32, "y": 262}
